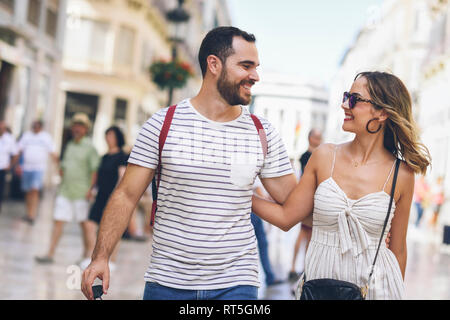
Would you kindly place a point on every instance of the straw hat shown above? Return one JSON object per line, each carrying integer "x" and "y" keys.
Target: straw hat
{"x": 81, "y": 118}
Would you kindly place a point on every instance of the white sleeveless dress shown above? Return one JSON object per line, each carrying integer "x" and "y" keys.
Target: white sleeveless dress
{"x": 345, "y": 237}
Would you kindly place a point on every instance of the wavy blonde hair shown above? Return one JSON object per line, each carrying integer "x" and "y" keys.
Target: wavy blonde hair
{"x": 401, "y": 135}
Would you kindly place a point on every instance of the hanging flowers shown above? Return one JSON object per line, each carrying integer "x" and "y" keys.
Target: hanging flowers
{"x": 172, "y": 74}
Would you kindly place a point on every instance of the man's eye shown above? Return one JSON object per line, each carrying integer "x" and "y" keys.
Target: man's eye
{"x": 246, "y": 67}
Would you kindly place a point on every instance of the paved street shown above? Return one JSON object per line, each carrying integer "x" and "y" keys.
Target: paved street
{"x": 427, "y": 275}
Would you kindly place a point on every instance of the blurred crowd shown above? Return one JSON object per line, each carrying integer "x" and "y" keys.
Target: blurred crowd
{"x": 428, "y": 196}
{"x": 87, "y": 181}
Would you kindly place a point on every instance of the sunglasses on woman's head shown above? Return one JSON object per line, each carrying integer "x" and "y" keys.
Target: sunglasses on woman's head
{"x": 353, "y": 99}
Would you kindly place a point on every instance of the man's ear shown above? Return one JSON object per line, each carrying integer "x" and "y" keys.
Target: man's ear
{"x": 214, "y": 64}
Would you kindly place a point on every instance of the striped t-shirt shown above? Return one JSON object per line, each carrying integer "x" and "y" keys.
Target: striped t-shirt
{"x": 203, "y": 238}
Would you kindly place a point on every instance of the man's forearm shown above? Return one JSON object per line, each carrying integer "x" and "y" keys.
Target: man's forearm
{"x": 279, "y": 188}
{"x": 115, "y": 220}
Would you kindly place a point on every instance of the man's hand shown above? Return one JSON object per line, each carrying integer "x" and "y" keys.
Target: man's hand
{"x": 97, "y": 269}
{"x": 18, "y": 170}
{"x": 90, "y": 195}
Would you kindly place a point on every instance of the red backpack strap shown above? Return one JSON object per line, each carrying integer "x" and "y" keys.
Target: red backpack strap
{"x": 261, "y": 133}
{"x": 162, "y": 140}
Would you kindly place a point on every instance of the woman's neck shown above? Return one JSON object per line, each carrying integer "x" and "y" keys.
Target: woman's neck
{"x": 113, "y": 150}
{"x": 367, "y": 149}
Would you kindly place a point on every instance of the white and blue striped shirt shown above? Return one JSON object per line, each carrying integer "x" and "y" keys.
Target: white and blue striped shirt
{"x": 203, "y": 238}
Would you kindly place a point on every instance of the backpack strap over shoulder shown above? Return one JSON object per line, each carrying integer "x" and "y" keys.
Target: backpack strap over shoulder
{"x": 261, "y": 133}
{"x": 162, "y": 140}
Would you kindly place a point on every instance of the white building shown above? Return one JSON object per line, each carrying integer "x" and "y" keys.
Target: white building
{"x": 31, "y": 42}
{"x": 292, "y": 106}
{"x": 109, "y": 47}
{"x": 434, "y": 97}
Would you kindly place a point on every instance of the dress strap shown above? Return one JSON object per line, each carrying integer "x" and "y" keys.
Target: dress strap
{"x": 390, "y": 173}
{"x": 334, "y": 160}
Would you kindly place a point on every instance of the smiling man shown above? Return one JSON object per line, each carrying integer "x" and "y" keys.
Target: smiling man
{"x": 204, "y": 245}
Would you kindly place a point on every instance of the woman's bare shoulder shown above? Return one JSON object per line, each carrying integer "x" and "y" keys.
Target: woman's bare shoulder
{"x": 322, "y": 154}
{"x": 326, "y": 150}
{"x": 406, "y": 175}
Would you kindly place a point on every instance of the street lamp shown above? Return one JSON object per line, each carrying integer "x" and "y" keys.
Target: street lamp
{"x": 178, "y": 17}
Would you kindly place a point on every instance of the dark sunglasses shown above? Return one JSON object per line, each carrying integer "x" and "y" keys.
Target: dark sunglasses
{"x": 353, "y": 99}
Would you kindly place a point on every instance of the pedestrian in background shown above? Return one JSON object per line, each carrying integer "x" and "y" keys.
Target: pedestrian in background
{"x": 34, "y": 146}
{"x": 421, "y": 195}
{"x": 347, "y": 188}
{"x": 78, "y": 169}
{"x": 203, "y": 240}
{"x": 438, "y": 199}
{"x": 8, "y": 151}
{"x": 314, "y": 140}
{"x": 111, "y": 169}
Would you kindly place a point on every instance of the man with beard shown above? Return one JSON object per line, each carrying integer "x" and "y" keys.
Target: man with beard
{"x": 204, "y": 245}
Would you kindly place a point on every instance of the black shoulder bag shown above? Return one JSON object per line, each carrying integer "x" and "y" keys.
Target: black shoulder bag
{"x": 331, "y": 289}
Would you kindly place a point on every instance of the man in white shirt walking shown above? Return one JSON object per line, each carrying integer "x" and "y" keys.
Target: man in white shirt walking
{"x": 35, "y": 146}
{"x": 8, "y": 149}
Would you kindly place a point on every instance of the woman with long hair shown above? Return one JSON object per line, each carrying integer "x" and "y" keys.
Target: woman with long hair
{"x": 347, "y": 189}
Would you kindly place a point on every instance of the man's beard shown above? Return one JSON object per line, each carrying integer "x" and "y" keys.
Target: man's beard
{"x": 230, "y": 91}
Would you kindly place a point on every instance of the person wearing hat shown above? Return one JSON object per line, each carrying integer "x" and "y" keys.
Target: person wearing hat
{"x": 78, "y": 169}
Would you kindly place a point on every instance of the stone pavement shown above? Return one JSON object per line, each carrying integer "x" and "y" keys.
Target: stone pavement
{"x": 427, "y": 275}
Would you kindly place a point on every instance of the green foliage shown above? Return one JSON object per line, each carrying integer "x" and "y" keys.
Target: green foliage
{"x": 170, "y": 74}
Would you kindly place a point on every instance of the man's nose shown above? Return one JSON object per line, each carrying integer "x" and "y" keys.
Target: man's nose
{"x": 254, "y": 76}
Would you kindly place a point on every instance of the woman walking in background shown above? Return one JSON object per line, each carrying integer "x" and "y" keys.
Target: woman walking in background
{"x": 346, "y": 187}
{"x": 112, "y": 168}
{"x": 438, "y": 199}
{"x": 421, "y": 197}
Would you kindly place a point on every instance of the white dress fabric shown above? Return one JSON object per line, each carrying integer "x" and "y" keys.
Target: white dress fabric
{"x": 345, "y": 237}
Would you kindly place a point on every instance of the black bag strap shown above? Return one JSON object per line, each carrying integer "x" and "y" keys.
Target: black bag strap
{"x": 394, "y": 182}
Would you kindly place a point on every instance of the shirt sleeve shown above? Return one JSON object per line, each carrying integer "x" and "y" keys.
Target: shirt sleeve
{"x": 123, "y": 160}
{"x": 145, "y": 151}
{"x": 21, "y": 142}
{"x": 50, "y": 145}
{"x": 276, "y": 163}
{"x": 94, "y": 160}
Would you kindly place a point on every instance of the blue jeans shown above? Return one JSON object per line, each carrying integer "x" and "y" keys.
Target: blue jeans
{"x": 155, "y": 291}
{"x": 263, "y": 248}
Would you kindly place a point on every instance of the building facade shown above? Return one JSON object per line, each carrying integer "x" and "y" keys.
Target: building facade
{"x": 434, "y": 94}
{"x": 31, "y": 43}
{"x": 109, "y": 47}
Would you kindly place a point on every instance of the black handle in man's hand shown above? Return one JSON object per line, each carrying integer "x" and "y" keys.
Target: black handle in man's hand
{"x": 97, "y": 291}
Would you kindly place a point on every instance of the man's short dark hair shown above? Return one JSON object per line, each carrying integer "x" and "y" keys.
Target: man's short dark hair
{"x": 219, "y": 42}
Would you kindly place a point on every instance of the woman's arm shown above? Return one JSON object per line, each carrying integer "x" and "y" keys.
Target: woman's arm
{"x": 399, "y": 225}
{"x": 299, "y": 204}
